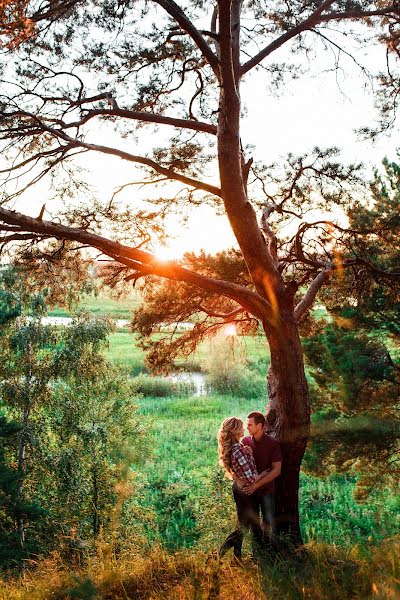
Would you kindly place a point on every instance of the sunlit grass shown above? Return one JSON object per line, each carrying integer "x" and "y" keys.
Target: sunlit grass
{"x": 104, "y": 305}
{"x": 316, "y": 572}
{"x": 123, "y": 350}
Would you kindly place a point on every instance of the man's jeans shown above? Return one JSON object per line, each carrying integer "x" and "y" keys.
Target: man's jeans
{"x": 247, "y": 510}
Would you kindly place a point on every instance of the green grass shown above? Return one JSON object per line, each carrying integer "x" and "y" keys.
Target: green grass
{"x": 124, "y": 351}
{"x": 186, "y": 490}
{"x": 104, "y": 305}
{"x": 183, "y": 485}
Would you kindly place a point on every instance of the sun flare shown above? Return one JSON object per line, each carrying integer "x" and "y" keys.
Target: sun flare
{"x": 230, "y": 330}
{"x": 166, "y": 253}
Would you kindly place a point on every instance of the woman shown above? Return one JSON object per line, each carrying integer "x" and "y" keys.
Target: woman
{"x": 239, "y": 465}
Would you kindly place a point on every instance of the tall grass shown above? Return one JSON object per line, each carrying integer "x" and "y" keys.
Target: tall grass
{"x": 317, "y": 572}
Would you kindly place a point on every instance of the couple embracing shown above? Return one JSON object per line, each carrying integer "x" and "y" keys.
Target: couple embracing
{"x": 253, "y": 463}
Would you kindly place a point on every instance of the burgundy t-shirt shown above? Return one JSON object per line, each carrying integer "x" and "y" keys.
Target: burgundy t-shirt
{"x": 266, "y": 451}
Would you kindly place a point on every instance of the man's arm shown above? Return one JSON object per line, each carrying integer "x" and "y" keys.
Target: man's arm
{"x": 269, "y": 476}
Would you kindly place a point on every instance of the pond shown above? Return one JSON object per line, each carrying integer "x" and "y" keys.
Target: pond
{"x": 195, "y": 378}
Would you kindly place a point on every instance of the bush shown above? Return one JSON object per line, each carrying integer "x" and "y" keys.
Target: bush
{"x": 226, "y": 367}
{"x": 240, "y": 382}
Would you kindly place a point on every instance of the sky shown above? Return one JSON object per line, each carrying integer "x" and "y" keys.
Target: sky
{"x": 312, "y": 111}
{"x": 321, "y": 108}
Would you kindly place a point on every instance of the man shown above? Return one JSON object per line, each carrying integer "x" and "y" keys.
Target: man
{"x": 268, "y": 459}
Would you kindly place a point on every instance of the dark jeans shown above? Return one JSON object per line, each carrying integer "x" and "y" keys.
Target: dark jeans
{"x": 266, "y": 503}
{"x": 247, "y": 510}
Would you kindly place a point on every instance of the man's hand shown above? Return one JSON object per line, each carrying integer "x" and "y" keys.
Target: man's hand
{"x": 263, "y": 478}
{"x": 250, "y": 488}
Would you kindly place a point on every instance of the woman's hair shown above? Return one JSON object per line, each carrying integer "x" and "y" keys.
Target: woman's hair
{"x": 226, "y": 438}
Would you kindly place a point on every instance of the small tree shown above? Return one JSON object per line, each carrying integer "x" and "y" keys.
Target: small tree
{"x": 72, "y": 431}
{"x": 354, "y": 358}
{"x": 98, "y": 436}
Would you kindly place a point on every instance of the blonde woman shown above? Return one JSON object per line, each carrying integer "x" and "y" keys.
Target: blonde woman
{"x": 239, "y": 465}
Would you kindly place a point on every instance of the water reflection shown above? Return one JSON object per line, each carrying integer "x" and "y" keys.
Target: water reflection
{"x": 193, "y": 378}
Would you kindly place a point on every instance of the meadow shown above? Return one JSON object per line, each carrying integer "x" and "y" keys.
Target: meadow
{"x": 182, "y": 475}
{"x": 182, "y": 509}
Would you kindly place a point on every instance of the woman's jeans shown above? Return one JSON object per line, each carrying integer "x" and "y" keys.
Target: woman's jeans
{"x": 267, "y": 505}
{"x": 247, "y": 509}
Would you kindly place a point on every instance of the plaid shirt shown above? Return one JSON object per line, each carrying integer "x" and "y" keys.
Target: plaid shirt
{"x": 243, "y": 465}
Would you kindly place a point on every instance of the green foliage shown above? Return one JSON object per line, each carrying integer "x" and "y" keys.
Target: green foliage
{"x": 344, "y": 361}
{"x": 71, "y": 434}
{"x": 12, "y": 505}
{"x": 369, "y": 293}
{"x": 356, "y": 388}
{"x": 97, "y": 436}
{"x": 167, "y": 304}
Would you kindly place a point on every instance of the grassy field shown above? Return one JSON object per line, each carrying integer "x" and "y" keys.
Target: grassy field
{"x": 178, "y": 478}
{"x": 123, "y": 350}
{"x": 182, "y": 509}
{"x": 104, "y": 304}
{"x": 184, "y": 482}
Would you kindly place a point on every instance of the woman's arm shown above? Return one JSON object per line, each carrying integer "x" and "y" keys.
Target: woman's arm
{"x": 243, "y": 466}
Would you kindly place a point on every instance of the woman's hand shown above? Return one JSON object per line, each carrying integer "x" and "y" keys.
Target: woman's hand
{"x": 250, "y": 488}
{"x": 239, "y": 482}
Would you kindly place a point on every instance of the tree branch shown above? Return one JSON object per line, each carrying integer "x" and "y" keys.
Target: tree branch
{"x": 308, "y": 299}
{"x": 140, "y": 261}
{"x": 179, "y": 16}
{"x": 147, "y": 117}
{"x": 312, "y": 20}
{"x": 228, "y": 58}
{"x": 394, "y": 10}
{"x": 265, "y": 226}
{"x": 225, "y": 316}
{"x": 200, "y": 185}
{"x": 19, "y": 237}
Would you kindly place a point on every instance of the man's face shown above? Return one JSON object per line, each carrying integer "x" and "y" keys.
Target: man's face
{"x": 252, "y": 427}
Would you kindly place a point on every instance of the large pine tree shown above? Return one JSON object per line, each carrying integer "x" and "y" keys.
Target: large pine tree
{"x": 158, "y": 63}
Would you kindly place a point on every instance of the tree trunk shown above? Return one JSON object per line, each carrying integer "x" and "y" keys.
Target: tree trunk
{"x": 95, "y": 516}
{"x": 288, "y": 419}
{"x": 22, "y": 473}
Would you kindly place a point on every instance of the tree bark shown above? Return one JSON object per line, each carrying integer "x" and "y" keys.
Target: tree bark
{"x": 288, "y": 419}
